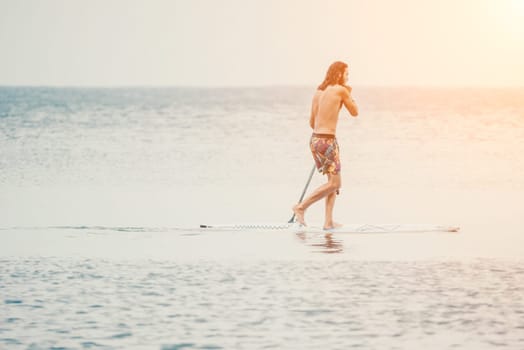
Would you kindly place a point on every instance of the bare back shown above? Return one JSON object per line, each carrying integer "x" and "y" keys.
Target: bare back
{"x": 326, "y": 107}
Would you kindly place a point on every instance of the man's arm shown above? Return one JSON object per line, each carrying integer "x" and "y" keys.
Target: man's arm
{"x": 348, "y": 101}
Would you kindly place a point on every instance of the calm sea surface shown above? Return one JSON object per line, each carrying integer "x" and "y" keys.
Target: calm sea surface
{"x": 102, "y": 192}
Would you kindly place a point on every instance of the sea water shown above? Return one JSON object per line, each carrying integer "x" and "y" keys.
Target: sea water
{"x": 102, "y": 191}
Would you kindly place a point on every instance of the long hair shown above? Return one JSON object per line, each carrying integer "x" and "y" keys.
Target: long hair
{"x": 334, "y": 75}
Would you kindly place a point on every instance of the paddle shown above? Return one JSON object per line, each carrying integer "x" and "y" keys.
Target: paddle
{"x": 292, "y": 220}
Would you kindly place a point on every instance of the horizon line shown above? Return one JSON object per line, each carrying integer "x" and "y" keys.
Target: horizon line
{"x": 239, "y": 86}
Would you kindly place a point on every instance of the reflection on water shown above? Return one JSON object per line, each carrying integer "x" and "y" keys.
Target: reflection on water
{"x": 325, "y": 243}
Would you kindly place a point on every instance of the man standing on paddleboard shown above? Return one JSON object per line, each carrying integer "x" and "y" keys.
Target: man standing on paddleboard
{"x": 329, "y": 98}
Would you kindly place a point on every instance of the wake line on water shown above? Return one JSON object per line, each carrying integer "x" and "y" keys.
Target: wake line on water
{"x": 97, "y": 228}
{"x": 353, "y": 228}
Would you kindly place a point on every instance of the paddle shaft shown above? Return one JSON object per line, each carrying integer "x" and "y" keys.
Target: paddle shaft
{"x": 304, "y": 191}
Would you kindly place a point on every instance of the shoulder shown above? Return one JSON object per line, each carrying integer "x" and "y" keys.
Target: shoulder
{"x": 317, "y": 94}
{"x": 343, "y": 90}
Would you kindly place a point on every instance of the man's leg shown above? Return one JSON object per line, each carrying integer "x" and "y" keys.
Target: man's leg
{"x": 328, "y": 188}
{"x": 330, "y": 203}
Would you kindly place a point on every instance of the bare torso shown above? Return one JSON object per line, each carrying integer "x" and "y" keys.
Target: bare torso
{"x": 326, "y": 107}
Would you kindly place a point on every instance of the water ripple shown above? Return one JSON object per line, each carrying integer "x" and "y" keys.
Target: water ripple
{"x": 266, "y": 304}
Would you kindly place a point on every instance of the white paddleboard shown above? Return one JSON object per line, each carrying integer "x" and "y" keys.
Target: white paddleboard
{"x": 350, "y": 228}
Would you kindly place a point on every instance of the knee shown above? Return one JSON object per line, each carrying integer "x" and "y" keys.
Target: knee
{"x": 335, "y": 184}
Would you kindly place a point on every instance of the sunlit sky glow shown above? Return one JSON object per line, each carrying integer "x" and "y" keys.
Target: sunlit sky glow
{"x": 270, "y": 42}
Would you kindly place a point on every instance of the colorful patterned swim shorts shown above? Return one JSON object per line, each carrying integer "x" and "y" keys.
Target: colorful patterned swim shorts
{"x": 324, "y": 148}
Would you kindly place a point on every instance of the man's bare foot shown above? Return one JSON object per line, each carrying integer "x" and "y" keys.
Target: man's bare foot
{"x": 299, "y": 214}
{"x": 332, "y": 226}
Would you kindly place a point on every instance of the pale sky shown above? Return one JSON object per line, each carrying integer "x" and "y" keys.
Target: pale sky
{"x": 261, "y": 42}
